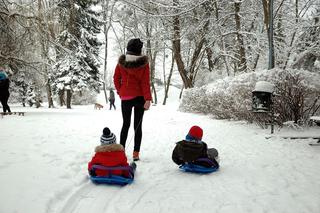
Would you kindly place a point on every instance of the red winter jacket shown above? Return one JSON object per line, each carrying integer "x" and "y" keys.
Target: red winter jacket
{"x": 109, "y": 155}
{"x": 132, "y": 78}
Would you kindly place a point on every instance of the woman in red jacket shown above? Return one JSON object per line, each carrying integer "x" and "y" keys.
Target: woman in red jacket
{"x": 132, "y": 82}
{"x": 109, "y": 154}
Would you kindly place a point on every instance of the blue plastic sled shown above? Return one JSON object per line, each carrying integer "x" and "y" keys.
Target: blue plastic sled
{"x": 110, "y": 178}
{"x": 190, "y": 167}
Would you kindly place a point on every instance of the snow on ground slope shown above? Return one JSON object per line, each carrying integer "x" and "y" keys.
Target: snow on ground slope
{"x": 44, "y": 155}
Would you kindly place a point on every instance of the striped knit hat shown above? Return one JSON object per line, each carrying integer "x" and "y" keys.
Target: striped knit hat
{"x": 107, "y": 137}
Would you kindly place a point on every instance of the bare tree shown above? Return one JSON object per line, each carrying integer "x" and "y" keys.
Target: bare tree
{"x": 187, "y": 73}
{"x": 176, "y": 44}
{"x": 242, "y": 65}
{"x": 108, "y": 6}
{"x": 44, "y": 38}
{"x": 168, "y": 81}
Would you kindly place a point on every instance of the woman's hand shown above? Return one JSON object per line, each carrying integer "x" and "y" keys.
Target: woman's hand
{"x": 147, "y": 105}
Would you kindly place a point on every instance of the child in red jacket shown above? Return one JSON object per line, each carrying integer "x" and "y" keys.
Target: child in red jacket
{"x": 109, "y": 154}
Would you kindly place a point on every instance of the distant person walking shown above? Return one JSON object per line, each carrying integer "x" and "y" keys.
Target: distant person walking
{"x": 112, "y": 99}
{"x": 132, "y": 82}
{"x": 4, "y": 90}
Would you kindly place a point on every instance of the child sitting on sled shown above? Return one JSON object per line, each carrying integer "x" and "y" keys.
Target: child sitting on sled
{"x": 110, "y": 154}
{"x": 192, "y": 148}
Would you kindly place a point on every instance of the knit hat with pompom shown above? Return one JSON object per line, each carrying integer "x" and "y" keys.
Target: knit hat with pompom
{"x": 107, "y": 137}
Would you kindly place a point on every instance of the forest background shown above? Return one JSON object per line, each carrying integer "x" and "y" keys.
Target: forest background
{"x": 63, "y": 52}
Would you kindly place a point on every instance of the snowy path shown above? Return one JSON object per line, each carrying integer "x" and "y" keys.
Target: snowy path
{"x": 44, "y": 159}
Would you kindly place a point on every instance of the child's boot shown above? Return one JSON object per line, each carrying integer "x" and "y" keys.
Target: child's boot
{"x": 133, "y": 165}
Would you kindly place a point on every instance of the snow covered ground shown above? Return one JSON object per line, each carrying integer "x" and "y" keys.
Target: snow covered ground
{"x": 44, "y": 155}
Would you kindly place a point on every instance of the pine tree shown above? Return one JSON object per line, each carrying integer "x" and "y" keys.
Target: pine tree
{"x": 77, "y": 63}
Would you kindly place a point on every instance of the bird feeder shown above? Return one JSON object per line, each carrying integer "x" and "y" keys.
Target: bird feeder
{"x": 262, "y": 96}
{"x": 262, "y": 100}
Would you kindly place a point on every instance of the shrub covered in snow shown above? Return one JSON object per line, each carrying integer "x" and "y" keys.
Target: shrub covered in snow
{"x": 297, "y": 95}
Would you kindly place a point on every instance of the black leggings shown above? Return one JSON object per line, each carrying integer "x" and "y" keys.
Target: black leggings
{"x": 4, "y": 101}
{"x": 126, "y": 108}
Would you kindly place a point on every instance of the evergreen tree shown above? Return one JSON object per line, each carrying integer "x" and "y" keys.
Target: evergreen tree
{"x": 77, "y": 63}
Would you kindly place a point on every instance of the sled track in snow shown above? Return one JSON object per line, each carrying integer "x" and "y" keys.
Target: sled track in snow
{"x": 97, "y": 198}
{"x": 74, "y": 200}
{"x": 105, "y": 198}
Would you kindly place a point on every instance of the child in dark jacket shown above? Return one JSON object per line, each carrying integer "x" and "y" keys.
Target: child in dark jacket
{"x": 110, "y": 154}
{"x": 192, "y": 148}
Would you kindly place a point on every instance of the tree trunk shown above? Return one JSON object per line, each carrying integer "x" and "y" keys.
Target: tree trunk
{"x": 256, "y": 61}
{"x": 265, "y": 4}
{"x": 267, "y": 18}
{"x": 176, "y": 43}
{"x": 105, "y": 92}
{"x": 152, "y": 57}
{"x": 293, "y": 36}
{"x": 167, "y": 85}
{"x": 195, "y": 59}
{"x": 61, "y": 97}
{"x": 209, "y": 57}
{"x": 223, "y": 46}
{"x": 181, "y": 92}
{"x": 105, "y": 29}
{"x": 188, "y": 76}
{"x": 153, "y": 70}
{"x": 49, "y": 94}
{"x": 69, "y": 96}
{"x": 44, "y": 39}
{"x": 153, "y": 88}
{"x": 164, "y": 73}
{"x": 209, "y": 8}
{"x": 72, "y": 18}
{"x": 242, "y": 66}
{"x": 72, "y": 31}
